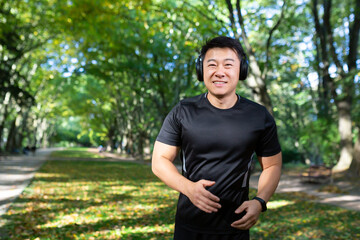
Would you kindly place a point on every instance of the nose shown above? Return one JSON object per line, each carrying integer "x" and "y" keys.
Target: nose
{"x": 219, "y": 73}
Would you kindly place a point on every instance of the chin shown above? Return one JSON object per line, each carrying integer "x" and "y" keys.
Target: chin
{"x": 219, "y": 94}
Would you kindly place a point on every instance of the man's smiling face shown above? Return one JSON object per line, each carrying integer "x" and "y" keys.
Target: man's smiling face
{"x": 221, "y": 67}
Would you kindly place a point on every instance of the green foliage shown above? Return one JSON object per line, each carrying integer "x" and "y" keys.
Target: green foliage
{"x": 68, "y": 130}
{"x": 291, "y": 155}
{"x": 320, "y": 138}
{"x": 118, "y": 67}
{"x": 127, "y": 67}
{"x": 115, "y": 200}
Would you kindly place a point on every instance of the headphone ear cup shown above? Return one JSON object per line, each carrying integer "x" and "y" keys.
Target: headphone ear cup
{"x": 199, "y": 69}
{"x": 244, "y": 68}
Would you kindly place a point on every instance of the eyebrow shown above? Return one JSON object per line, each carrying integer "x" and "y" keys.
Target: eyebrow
{"x": 226, "y": 59}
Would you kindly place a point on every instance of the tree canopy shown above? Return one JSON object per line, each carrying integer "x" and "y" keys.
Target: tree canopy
{"x": 107, "y": 72}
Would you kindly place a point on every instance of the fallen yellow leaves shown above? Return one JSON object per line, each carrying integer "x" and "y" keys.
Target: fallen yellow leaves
{"x": 98, "y": 200}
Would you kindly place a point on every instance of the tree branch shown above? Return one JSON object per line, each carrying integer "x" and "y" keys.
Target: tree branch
{"x": 243, "y": 32}
{"x": 215, "y": 19}
{"x": 354, "y": 38}
{"x": 268, "y": 42}
{"x": 231, "y": 17}
{"x": 327, "y": 25}
{"x": 323, "y": 56}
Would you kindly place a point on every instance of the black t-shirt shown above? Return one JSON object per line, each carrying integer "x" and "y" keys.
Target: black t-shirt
{"x": 217, "y": 145}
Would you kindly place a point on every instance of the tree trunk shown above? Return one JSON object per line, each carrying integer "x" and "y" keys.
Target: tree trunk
{"x": 45, "y": 140}
{"x": 10, "y": 144}
{"x": 141, "y": 146}
{"x": 2, "y": 125}
{"x": 23, "y": 129}
{"x": 111, "y": 139}
{"x": 130, "y": 145}
{"x": 355, "y": 164}
{"x": 144, "y": 145}
{"x": 43, "y": 129}
{"x": 146, "y": 150}
{"x": 5, "y": 115}
{"x": 324, "y": 32}
{"x": 258, "y": 85}
{"x": 345, "y": 130}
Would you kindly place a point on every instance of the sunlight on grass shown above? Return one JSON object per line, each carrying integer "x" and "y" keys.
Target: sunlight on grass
{"x": 93, "y": 199}
{"x": 113, "y": 200}
{"x": 279, "y": 204}
{"x": 51, "y": 175}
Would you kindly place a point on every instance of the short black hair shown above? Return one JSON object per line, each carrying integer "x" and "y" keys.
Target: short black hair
{"x": 223, "y": 42}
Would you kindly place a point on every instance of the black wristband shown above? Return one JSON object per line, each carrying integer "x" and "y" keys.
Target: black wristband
{"x": 263, "y": 203}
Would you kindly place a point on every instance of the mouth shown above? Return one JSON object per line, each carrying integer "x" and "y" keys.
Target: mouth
{"x": 219, "y": 83}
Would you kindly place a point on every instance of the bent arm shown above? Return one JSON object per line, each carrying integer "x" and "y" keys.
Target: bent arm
{"x": 163, "y": 168}
{"x": 270, "y": 176}
{"x": 268, "y": 182}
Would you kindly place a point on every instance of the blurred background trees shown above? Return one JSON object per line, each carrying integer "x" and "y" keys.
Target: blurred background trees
{"x": 90, "y": 73}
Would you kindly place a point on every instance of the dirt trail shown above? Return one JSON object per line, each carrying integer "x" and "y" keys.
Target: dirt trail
{"x": 350, "y": 200}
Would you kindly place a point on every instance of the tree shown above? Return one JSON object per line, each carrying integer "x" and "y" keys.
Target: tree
{"x": 135, "y": 61}
{"x": 340, "y": 53}
{"x": 257, "y": 80}
{"x": 24, "y": 29}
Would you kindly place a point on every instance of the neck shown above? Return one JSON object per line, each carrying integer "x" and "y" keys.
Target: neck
{"x": 223, "y": 102}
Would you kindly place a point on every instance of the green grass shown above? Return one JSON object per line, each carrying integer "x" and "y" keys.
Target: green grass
{"x": 75, "y": 153}
{"x": 113, "y": 200}
{"x": 93, "y": 200}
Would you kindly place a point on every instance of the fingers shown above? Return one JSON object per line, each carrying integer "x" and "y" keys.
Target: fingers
{"x": 245, "y": 222}
{"x": 250, "y": 218}
{"x": 208, "y": 194}
{"x": 202, "y": 198}
{"x": 207, "y": 183}
{"x": 210, "y": 202}
{"x": 241, "y": 208}
{"x": 208, "y": 206}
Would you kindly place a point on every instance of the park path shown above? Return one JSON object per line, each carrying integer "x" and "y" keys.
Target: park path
{"x": 287, "y": 183}
{"x": 16, "y": 173}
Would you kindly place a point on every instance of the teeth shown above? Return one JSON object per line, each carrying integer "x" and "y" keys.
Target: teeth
{"x": 218, "y": 82}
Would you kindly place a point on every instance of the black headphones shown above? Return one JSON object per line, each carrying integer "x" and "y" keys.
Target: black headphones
{"x": 244, "y": 66}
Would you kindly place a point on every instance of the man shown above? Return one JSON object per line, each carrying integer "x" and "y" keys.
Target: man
{"x": 218, "y": 132}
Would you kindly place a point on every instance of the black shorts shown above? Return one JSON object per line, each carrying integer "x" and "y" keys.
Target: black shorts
{"x": 182, "y": 233}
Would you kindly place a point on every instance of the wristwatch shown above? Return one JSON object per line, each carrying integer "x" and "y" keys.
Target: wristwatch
{"x": 263, "y": 203}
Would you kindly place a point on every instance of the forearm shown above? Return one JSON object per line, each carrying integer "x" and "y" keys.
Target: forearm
{"x": 168, "y": 173}
{"x": 268, "y": 182}
{"x": 163, "y": 168}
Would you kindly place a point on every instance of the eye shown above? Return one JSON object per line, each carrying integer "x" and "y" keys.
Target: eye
{"x": 211, "y": 65}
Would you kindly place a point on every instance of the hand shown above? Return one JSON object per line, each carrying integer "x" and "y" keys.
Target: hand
{"x": 202, "y": 198}
{"x": 253, "y": 209}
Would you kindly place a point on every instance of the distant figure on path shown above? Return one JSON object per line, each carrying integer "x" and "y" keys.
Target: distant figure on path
{"x": 218, "y": 132}
{"x": 26, "y": 150}
{"x": 101, "y": 149}
{"x": 33, "y": 150}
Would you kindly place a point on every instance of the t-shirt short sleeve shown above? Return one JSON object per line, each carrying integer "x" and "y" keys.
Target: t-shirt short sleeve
{"x": 268, "y": 144}
{"x": 170, "y": 132}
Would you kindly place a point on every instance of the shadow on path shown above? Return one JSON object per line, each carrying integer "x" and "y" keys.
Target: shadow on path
{"x": 288, "y": 183}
